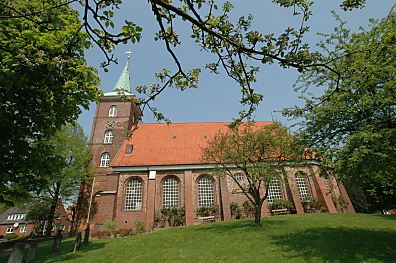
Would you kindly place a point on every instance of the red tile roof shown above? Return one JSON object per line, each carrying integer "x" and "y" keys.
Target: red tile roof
{"x": 177, "y": 143}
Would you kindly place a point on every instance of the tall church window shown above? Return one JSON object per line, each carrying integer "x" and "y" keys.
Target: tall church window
{"x": 170, "y": 192}
{"x": 113, "y": 111}
{"x": 302, "y": 186}
{"x": 205, "y": 191}
{"x": 108, "y": 138}
{"x": 105, "y": 160}
{"x": 274, "y": 191}
{"x": 133, "y": 195}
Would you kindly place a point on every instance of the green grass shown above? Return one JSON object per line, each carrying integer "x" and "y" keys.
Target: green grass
{"x": 291, "y": 238}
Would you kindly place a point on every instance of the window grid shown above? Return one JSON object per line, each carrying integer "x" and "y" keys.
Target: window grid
{"x": 23, "y": 229}
{"x": 108, "y": 138}
{"x": 302, "y": 187}
{"x": 205, "y": 192}
{"x": 16, "y": 217}
{"x": 113, "y": 111}
{"x": 105, "y": 160}
{"x": 239, "y": 177}
{"x": 274, "y": 191}
{"x": 10, "y": 230}
{"x": 133, "y": 195}
{"x": 170, "y": 192}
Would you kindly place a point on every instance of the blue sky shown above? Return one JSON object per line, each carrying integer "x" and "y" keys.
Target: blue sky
{"x": 217, "y": 98}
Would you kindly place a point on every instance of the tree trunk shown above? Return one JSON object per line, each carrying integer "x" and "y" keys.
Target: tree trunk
{"x": 54, "y": 203}
{"x": 257, "y": 215}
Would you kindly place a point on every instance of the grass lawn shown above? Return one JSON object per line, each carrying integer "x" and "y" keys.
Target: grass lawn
{"x": 290, "y": 238}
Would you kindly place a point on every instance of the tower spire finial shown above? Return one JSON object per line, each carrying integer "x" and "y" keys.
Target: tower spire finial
{"x": 129, "y": 53}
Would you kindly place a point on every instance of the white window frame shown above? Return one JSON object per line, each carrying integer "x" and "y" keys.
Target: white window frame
{"x": 105, "y": 159}
{"x": 239, "y": 177}
{"x": 170, "y": 192}
{"x": 133, "y": 195}
{"x": 113, "y": 111}
{"x": 108, "y": 137}
{"x": 274, "y": 191}
{"x": 205, "y": 191}
{"x": 10, "y": 230}
{"x": 302, "y": 187}
{"x": 23, "y": 229}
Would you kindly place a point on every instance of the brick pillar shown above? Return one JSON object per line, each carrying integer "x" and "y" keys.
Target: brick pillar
{"x": 295, "y": 195}
{"x": 321, "y": 190}
{"x": 150, "y": 205}
{"x": 225, "y": 198}
{"x": 345, "y": 195}
{"x": 188, "y": 197}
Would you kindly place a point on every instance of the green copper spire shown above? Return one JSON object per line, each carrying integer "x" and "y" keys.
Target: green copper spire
{"x": 123, "y": 82}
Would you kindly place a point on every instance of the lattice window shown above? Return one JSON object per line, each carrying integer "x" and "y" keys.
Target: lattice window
{"x": 113, "y": 111}
{"x": 274, "y": 191}
{"x": 23, "y": 229}
{"x": 205, "y": 192}
{"x": 170, "y": 192}
{"x": 302, "y": 187}
{"x": 105, "y": 160}
{"x": 10, "y": 230}
{"x": 108, "y": 138}
{"x": 239, "y": 177}
{"x": 133, "y": 195}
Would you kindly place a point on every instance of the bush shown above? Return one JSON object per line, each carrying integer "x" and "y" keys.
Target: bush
{"x": 110, "y": 226}
{"x": 248, "y": 209}
{"x": 311, "y": 205}
{"x": 140, "y": 226}
{"x": 208, "y": 211}
{"x": 340, "y": 203}
{"x": 11, "y": 236}
{"x": 170, "y": 216}
{"x": 280, "y": 204}
{"x": 125, "y": 232}
{"x": 236, "y": 211}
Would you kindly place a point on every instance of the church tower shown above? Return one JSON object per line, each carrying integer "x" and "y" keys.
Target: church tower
{"x": 115, "y": 115}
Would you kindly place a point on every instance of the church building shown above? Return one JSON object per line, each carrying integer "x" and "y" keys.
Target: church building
{"x": 140, "y": 168}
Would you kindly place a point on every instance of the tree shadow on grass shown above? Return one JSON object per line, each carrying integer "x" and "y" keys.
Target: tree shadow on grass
{"x": 388, "y": 217}
{"x": 237, "y": 226}
{"x": 44, "y": 253}
{"x": 340, "y": 244}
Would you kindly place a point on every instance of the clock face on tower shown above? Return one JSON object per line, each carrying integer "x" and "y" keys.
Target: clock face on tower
{"x": 110, "y": 124}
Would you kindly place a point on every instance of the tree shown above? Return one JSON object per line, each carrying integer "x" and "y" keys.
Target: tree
{"x": 354, "y": 122}
{"x": 71, "y": 169}
{"x": 44, "y": 83}
{"x": 261, "y": 153}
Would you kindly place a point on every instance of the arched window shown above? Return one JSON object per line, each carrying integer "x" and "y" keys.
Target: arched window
{"x": 302, "y": 186}
{"x": 205, "y": 192}
{"x": 105, "y": 160}
{"x": 239, "y": 177}
{"x": 274, "y": 191}
{"x": 113, "y": 111}
{"x": 133, "y": 195}
{"x": 170, "y": 192}
{"x": 108, "y": 138}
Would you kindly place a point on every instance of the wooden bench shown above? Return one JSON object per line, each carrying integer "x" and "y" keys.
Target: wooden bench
{"x": 282, "y": 211}
{"x": 206, "y": 219}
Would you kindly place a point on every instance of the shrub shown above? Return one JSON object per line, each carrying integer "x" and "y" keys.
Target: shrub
{"x": 110, "y": 226}
{"x": 280, "y": 204}
{"x": 340, "y": 203}
{"x": 140, "y": 226}
{"x": 1, "y": 237}
{"x": 248, "y": 208}
{"x": 208, "y": 211}
{"x": 172, "y": 216}
{"x": 11, "y": 236}
{"x": 124, "y": 232}
{"x": 311, "y": 205}
{"x": 236, "y": 211}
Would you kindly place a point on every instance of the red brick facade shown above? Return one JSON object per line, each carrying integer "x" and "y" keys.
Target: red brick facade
{"x": 174, "y": 151}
